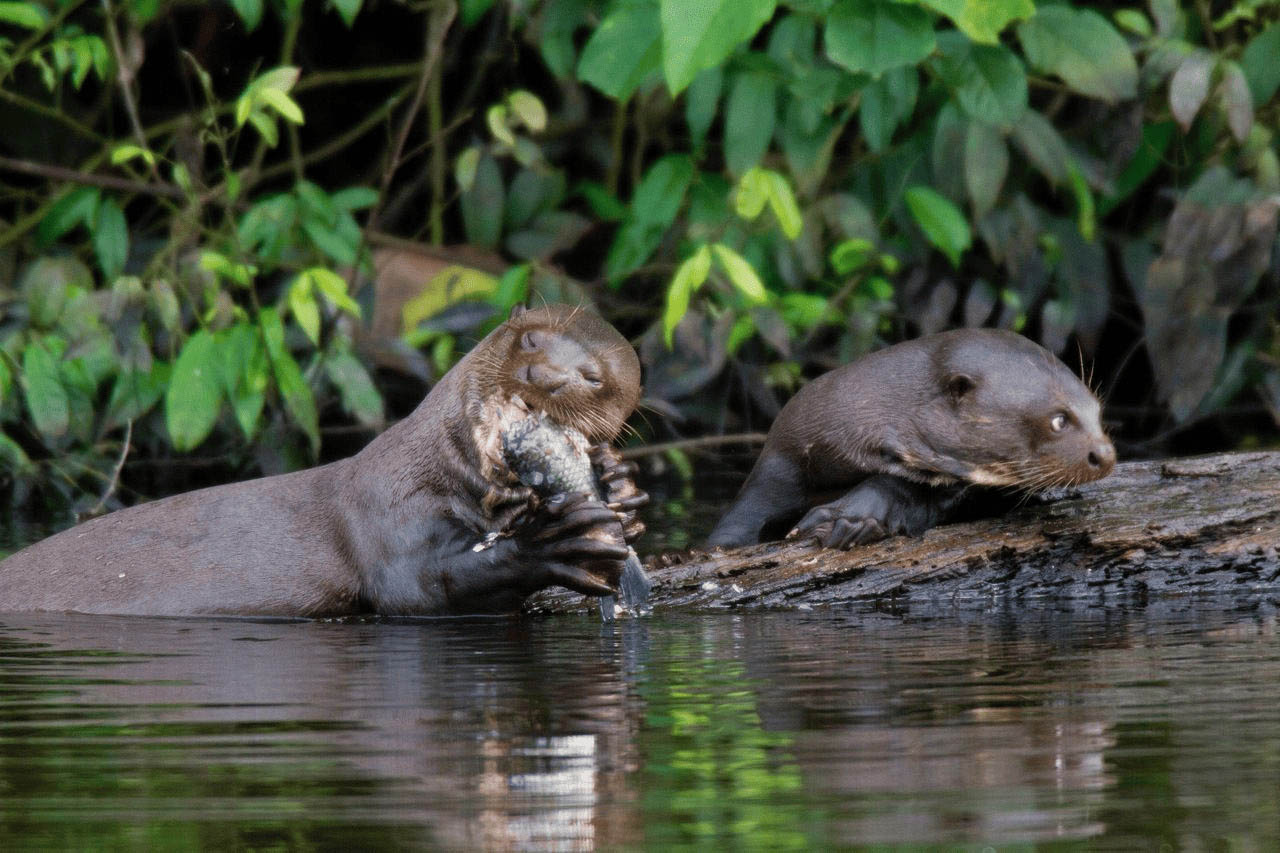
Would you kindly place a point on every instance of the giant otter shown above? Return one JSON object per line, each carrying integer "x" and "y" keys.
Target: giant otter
{"x": 394, "y": 529}
{"x": 902, "y": 431}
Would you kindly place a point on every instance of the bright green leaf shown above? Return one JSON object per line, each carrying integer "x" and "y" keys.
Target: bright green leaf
{"x": 347, "y": 10}
{"x": 302, "y": 302}
{"x": 783, "y": 204}
{"x": 528, "y": 107}
{"x": 983, "y": 20}
{"x": 876, "y": 35}
{"x": 1086, "y": 218}
{"x": 700, "y": 34}
{"x": 360, "y": 398}
{"x": 354, "y": 198}
{"x": 298, "y": 399}
{"x": 125, "y": 153}
{"x": 851, "y": 255}
{"x": 30, "y": 16}
{"x": 465, "y": 167}
{"x": 250, "y": 11}
{"x": 496, "y": 118}
{"x": 287, "y": 107}
{"x": 741, "y": 274}
{"x": 334, "y": 288}
{"x": 941, "y": 221}
{"x": 688, "y": 278}
{"x": 1134, "y": 21}
{"x": 194, "y": 396}
{"x": 752, "y": 194}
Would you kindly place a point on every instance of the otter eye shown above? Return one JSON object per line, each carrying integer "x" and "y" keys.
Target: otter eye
{"x": 592, "y": 378}
{"x": 1059, "y": 422}
{"x": 528, "y": 341}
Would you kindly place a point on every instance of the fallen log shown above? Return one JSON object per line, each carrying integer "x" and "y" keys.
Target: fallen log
{"x": 1208, "y": 524}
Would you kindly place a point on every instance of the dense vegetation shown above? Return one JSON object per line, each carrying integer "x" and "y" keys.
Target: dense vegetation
{"x": 203, "y": 206}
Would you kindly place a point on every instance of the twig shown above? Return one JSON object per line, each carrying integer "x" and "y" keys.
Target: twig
{"x": 124, "y": 77}
{"x": 700, "y": 443}
{"x": 115, "y": 472}
{"x": 62, "y": 173}
{"x": 438, "y": 24}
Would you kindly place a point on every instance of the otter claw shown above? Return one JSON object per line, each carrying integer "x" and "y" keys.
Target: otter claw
{"x": 578, "y": 580}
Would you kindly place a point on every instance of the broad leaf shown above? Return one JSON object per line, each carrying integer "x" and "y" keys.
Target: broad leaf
{"x": 46, "y": 398}
{"x": 741, "y": 274}
{"x": 360, "y": 398}
{"x": 624, "y": 50}
{"x": 876, "y": 35}
{"x": 1082, "y": 48}
{"x": 298, "y": 399}
{"x": 750, "y": 116}
{"x": 194, "y": 396}
{"x": 941, "y": 221}
{"x": 983, "y": 20}
{"x": 482, "y": 204}
{"x": 1261, "y": 68}
{"x": 1189, "y": 86}
{"x": 989, "y": 83}
{"x": 688, "y": 278}
{"x": 700, "y": 34}
{"x": 986, "y": 164}
{"x": 110, "y": 239}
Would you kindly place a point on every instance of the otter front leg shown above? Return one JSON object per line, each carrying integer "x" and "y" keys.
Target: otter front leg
{"x": 617, "y": 481}
{"x": 577, "y": 543}
{"x": 773, "y": 491}
{"x": 878, "y": 507}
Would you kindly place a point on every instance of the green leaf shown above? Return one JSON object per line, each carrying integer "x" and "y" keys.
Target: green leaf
{"x": 986, "y": 164}
{"x": 983, "y": 20}
{"x": 496, "y": 119}
{"x": 783, "y": 204}
{"x": 111, "y": 238}
{"x": 466, "y": 167}
{"x": 512, "y": 288}
{"x": 750, "y": 116}
{"x": 624, "y": 50}
{"x": 302, "y": 302}
{"x": 473, "y": 10}
{"x": 700, "y": 34}
{"x": 331, "y": 241}
{"x": 482, "y": 205}
{"x": 354, "y": 198}
{"x": 78, "y": 207}
{"x": 334, "y": 288}
{"x": 741, "y": 274}
{"x": 560, "y": 20}
{"x": 1082, "y": 48}
{"x": 527, "y": 107}
{"x": 287, "y": 107}
{"x": 1040, "y": 143}
{"x": 245, "y": 374}
{"x": 885, "y": 104}
{"x": 1260, "y": 66}
{"x": 941, "y": 221}
{"x": 1086, "y": 218}
{"x": 700, "y": 104}
{"x": 15, "y": 458}
{"x": 46, "y": 284}
{"x": 136, "y": 392}
{"x": 1237, "y": 102}
{"x": 688, "y": 278}
{"x": 266, "y": 127}
{"x": 298, "y": 399}
{"x": 250, "y": 11}
{"x": 46, "y": 397}
{"x": 989, "y": 83}
{"x": 851, "y": 255}
{"x": 752, "y": 194}
{"x": 347, "y": 10}
{"x": 876, "y": 35}
{"x": 194, "y": 396}
{"x": 125, "y": 153}
{"x": 661, "y": 194}
{"x": 29, "y": 16}
{"x": 1133, "y": 21}
{"x": 360, "y": 398}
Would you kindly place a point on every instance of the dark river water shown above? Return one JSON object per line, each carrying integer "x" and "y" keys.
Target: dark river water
{"x": 1156, "y": 728}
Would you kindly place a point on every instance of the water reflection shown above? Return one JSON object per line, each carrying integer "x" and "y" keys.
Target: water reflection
{"x": 1119, "y": 729}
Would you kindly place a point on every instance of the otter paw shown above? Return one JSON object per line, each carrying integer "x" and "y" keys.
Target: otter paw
{"x": 832, "y": 530}
{"x": 580, "y": 542}
{"x": 622, "y": 495}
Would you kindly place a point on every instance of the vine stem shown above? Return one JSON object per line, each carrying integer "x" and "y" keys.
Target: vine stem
{"x": 124, "y": 77}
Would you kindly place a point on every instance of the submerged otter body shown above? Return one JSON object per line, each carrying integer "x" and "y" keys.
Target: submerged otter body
{"x": 391, "y": 530}
{"x": 903, "y": 430}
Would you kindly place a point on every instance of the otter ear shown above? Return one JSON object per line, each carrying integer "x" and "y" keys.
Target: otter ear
{"x": 516, "y": 310}
{"x": 959, "y": 385}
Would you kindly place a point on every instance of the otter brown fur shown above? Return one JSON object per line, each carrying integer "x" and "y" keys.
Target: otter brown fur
{"x": 391, "y": 530}
{"x": 903, "y": 430}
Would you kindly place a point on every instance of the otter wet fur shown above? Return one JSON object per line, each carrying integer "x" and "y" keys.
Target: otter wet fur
{"x": 390, "y": 530}
{"x": 900, "y": 433}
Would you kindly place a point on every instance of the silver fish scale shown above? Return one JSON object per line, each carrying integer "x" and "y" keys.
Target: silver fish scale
{"x": 548, "y": 457}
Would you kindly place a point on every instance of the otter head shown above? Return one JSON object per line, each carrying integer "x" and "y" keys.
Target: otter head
{"x": 569, "y": 363}
{"x": 1007, "y": 412}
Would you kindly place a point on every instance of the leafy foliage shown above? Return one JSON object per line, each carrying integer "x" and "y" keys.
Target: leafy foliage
{"x": 758, "y": 186}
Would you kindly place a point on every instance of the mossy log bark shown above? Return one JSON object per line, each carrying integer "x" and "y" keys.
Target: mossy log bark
{"x": 1208, "y": 524}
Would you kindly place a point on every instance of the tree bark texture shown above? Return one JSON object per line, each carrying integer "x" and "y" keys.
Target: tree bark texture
{"x": 1208, "y": 524}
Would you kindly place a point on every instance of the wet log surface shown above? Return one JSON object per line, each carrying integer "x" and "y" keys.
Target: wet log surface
{"x": 1208, "y": 524}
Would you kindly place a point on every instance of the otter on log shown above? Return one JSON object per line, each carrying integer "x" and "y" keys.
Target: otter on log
{"x": 393, "y": 529}
{"x": 902, "y": 431}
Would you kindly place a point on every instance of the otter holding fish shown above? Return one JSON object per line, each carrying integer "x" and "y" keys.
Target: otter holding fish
{"x": 393, "y": 529}
{"x": 902, "y": 431}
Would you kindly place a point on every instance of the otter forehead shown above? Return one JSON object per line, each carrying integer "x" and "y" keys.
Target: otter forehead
{"x": 594, "y": 335}
{"x": 1015, "y": 371}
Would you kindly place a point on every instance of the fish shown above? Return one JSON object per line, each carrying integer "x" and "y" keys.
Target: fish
{"x": 553, "y": 459}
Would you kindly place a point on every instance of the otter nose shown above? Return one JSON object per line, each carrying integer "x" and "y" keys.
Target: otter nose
{"x": 543, "y": 377}
{"x": 1103, "y": 457}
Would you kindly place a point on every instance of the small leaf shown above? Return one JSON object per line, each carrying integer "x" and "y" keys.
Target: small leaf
{"x": 464, "y": 168}
{"x": 111, "y": 238}
{"x": 986, "y": 164}
{"x": 496, "y": 118}
{"x": 298, "y": 399}
{"x": 250, "y": 11}
{"x": 741, "y": 274}
{"x": 360, "y": 398}
{"x": 125, "y": 153}
{"x": 482, "y": 205}
{"x": 942, "y": 222}
{"x": 78, "y": 207}
{"x": 983, "y": 21}
{"x": 46, "y": 398}
{"x": 354, "y": 198}
{"x": 688, "y": 278}
{"x": 302, "y": 302}
{"x": 752, "y": 194}
{"x": 851, "y": 255}
{"x": 266, "y": 127}
{"x": 195, "y": 393}
{"x": 783, "y": 204}
{"x": 1086, "y": 218}
{"x": 700, "y": 104}
{"x": 347, "y": 10}
{"x": 529, "y": 109}
{"x": 1237, "y": 102}
{"x": 287, "y": 107}
{"x": 1040, "y": 143}
{"x": 1133, "y": 21}
{"x": 1189, "y": 86}
{"x": 334, "y": 288}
